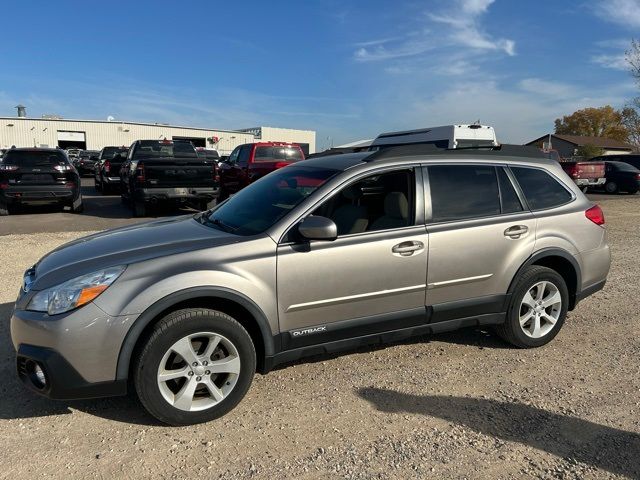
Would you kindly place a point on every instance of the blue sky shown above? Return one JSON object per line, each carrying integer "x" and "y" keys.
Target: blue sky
{"x": 348, "y": 69}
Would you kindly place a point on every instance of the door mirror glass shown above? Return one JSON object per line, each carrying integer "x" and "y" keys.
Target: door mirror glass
{"x": 318, "y": 228}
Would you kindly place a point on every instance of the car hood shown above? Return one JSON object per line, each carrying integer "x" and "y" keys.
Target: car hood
{"x": 126, "y": 245}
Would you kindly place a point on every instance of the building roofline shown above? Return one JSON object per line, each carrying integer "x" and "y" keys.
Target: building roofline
{"x": 121, "y": 122}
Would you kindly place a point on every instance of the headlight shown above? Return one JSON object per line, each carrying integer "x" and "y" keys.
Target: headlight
{"x": 74, "y": 293}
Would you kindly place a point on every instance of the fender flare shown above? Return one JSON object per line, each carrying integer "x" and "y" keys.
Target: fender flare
{"x": 146, "y": 317}
{"x": 550, "y": 252}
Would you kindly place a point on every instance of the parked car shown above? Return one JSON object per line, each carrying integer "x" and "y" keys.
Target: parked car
{"x": 73, "y": 153}
{"x": 163, "y": 171}
{"x": 621, "y": 177}
{"x": 631, "y": 158}
{"x": 587, "y": 174}
{"x": 85, "y": 163}
{"x": 34, "y": 176}
{"x": 107, "y": 168}
{"x": 251, "y": 161}
{"x": 323, "y": 255}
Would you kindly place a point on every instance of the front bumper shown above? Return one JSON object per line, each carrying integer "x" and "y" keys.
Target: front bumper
{"x": 177, "y": 194}
{"x": 61, "y": 380}
{"x": 78, "y": 350}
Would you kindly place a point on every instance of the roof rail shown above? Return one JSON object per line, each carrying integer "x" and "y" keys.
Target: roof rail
{"x": 506, "y": 150}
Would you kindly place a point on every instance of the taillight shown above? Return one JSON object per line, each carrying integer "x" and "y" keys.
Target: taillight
{"x": 573, "y": 171}
{"x": 140, "y": 173}
{"x": 70, "y": 184}
{"x": 281, "y": 164}
{"x": 107, "y": 166}
{"x": 638, "y": 176}
{"x": 595, "y": 214}
{"x": 8, "y": 168}
{"x": 4, "y": 186}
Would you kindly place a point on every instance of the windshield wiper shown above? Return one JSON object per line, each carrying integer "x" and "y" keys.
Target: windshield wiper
{"x": 205, "y": 219}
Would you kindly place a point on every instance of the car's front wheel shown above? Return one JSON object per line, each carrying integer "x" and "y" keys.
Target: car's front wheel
{"x": 537, "y": 310}
{"x": 611, "y": 187}
{"x": 196, "y": 366}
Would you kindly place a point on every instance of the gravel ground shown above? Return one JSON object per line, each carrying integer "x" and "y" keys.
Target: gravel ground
{"x": 459, "y": 405}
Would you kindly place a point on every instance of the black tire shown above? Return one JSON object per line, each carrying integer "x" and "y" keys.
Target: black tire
{"x": 510, "y": 330}
{"x": 139, "y": 208}
{"x": 632, "y": 191}
{"x": 611, "y": 187}
{"x": 165, "y": 333}
{"x": 4, "y": 210}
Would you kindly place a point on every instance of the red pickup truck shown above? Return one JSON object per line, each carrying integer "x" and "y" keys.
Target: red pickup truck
{"x": 248, "y": 162}
{"x": 584, "y": 174}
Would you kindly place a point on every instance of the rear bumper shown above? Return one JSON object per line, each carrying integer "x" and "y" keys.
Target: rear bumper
{"x": 589, "y": 182}
{"x": 38, "y": 193}
{"x": 177, "y": 194}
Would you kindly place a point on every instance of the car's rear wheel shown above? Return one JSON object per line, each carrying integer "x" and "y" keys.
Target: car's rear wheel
{"x": 537, "y": 310}
{"x": 196, "y": 365}
{"x": 611, "y": 187}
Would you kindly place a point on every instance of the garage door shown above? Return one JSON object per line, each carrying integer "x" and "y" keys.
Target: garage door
{"x": 66, "y": 136}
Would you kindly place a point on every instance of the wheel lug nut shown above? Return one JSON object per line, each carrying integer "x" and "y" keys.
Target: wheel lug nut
{"x": 190, "y": 374}
{"x": 205, "y": 363}
{"x": 198, "y": 378}
{"x": 207, "y": 372}
{"x": 195, "y": 364}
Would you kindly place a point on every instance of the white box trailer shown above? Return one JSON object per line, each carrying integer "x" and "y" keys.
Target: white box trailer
{"x": 448, "y": 136}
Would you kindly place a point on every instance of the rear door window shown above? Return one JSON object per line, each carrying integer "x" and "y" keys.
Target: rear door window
{"x": 541, "y": 190}
{"x": 460, "y": 192}
{"x": 509, "y": 198}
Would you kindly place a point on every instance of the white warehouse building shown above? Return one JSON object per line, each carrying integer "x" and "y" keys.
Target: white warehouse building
{"x": 96, "y": 134}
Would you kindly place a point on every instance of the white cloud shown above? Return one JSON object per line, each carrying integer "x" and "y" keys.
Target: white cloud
{"x": 615, "y": 61}
{"x": 466, "y": 28}
{"x": 622, "y": 12}
{"x": 457, "y": 27}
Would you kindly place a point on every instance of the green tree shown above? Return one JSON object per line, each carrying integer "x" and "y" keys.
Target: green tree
{"x": 589, "y": 150}
{"x": 594, "y": 122}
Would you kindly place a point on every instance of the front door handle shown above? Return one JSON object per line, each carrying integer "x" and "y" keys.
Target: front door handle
{"x": 406, "y": 249}
{"x": 516, "y": 231}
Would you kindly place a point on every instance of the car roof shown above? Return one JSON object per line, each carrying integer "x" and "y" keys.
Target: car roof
{"x": 426, "y": 153}
{"x": 34, "y": 149}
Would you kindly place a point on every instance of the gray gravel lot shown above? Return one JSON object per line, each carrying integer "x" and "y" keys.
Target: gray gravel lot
{"x": 459, "y": 405}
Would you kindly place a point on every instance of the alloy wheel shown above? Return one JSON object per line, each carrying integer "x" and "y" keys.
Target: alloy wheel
{"x": 540, "y": 309}
{"x": 198, "y": 371}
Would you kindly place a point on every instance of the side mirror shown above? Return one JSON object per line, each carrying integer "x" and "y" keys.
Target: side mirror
{"x": 318, "y": 228}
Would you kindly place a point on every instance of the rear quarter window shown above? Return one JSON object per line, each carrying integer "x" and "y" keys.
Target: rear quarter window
{"x": 541, "y": 190}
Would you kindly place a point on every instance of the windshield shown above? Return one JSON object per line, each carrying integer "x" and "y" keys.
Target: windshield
{"x": 164, "y": 149}
{"x": 255, "y": 208}
{"x": 270, "y": 154}
{"x": 34, "y": 158}
{"x": 109, "y": 152}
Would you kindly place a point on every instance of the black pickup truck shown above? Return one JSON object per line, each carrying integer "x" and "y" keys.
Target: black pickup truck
{"x": 168, "y": 171}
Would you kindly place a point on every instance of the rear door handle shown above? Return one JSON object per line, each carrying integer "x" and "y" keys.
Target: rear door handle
{"x": 406, "y": 249}
{"x": 516, "y": 231}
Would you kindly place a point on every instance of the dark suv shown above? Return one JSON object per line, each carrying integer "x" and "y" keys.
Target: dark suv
{"x": 107, "y": 168}
{"x": 38, "y": 176}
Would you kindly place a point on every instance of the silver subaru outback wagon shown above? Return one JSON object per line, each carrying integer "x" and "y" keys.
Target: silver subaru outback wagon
{"x": 323, "y": 255}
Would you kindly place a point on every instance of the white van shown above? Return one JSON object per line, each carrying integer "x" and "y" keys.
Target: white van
{"x": 448, "y": 136}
